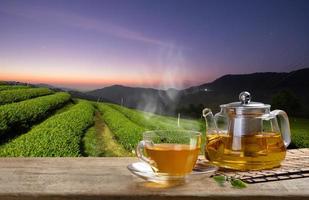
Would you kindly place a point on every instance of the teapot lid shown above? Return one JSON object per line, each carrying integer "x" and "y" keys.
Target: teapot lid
{"x": 245, "y": 105}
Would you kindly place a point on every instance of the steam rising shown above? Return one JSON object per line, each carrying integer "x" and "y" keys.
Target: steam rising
{"x": 171, "y": 67}
{"x": 173, "y": 70}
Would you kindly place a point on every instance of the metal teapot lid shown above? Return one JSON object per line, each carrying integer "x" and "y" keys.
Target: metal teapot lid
{"x": 246, "y": 106}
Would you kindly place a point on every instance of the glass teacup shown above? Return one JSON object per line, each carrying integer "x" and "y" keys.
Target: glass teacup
{"x": 171, "y": 154}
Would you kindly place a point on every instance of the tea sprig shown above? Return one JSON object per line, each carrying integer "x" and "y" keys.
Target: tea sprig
{"x": 236, "y": 183}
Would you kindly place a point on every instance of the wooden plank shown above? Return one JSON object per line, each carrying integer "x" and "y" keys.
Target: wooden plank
{"x": 108, "y": 178}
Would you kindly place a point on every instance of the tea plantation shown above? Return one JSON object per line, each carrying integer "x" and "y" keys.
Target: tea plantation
{"x": 40, "y": 122}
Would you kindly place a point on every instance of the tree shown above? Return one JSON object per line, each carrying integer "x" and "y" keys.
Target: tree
{"x": 287, "y": 101}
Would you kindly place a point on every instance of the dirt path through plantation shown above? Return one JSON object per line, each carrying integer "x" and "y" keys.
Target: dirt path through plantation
{"x": 107, "y": 144}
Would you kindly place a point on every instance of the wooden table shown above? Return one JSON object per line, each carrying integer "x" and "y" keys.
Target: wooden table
{"x": 108, "y": 178}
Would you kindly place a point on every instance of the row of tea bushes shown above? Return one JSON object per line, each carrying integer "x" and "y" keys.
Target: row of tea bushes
{"x": 155, "y": 122}
{"x": 127, "y": 133}
{"x": 10, "y": 96}
{"x": 158, "y": 122}
{"x": 23, "y": 114}
{"x": 141, "y": 118}
{"x": 91, "y": 143}
{"x": 59, "y": 135}
{"x": 188, "y": 124}
{"x": 13, "y": 87}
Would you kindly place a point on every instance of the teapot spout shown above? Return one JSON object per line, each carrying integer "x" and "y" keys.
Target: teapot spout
{"x": 211, "y": 124}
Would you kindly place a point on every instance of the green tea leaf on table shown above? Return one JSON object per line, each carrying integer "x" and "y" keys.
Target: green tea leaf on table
{"x": 220, "y": 179}
{"x": 236, "y": 183}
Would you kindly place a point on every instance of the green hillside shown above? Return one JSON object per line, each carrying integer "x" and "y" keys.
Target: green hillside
{"x": 41, "y": 122}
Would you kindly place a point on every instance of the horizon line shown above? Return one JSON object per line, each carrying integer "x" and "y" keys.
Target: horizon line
{"x": 152, "y": 86}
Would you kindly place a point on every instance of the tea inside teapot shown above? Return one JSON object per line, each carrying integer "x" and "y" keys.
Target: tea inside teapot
{"x": 254, "y": 152}
{"x": 246, "y": 136}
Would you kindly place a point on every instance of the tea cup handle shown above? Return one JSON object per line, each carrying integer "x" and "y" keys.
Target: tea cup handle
{"x": 285, "y": 126}
{"x": 139, "y": 152}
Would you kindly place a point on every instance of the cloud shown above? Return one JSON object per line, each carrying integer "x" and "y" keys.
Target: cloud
{"x": 82, "y": 22}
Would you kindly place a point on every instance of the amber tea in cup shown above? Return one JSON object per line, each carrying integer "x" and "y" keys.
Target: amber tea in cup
{"x": 173, "y": 159}
{"x": 172, "y": 154}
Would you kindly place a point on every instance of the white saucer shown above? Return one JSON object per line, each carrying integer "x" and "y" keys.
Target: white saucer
{"x": 144, "y": 171}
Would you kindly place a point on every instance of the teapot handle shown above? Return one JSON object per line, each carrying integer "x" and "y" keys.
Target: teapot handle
{"x": 284, "y": 126}
{"x": 210, "y": 120}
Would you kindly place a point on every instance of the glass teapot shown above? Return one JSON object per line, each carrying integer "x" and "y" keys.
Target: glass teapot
{"x": 245, "y": 135}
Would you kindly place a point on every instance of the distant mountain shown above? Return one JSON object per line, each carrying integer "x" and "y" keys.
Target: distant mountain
{"x": 46, "y": 85}
{"x": 262, "y": 86}
{"x": 256, "y": 81}
{"x": 147, "y": 99}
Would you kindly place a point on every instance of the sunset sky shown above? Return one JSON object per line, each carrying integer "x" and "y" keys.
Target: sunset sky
{"x": 150, "y": 43}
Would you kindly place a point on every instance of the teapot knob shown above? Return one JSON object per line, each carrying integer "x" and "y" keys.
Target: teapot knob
{"x": 245, "y": 97}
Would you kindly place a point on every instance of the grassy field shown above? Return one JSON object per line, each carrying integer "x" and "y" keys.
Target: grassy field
{"x": 41, "y": 122}
{"x": 300, "y": 133}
